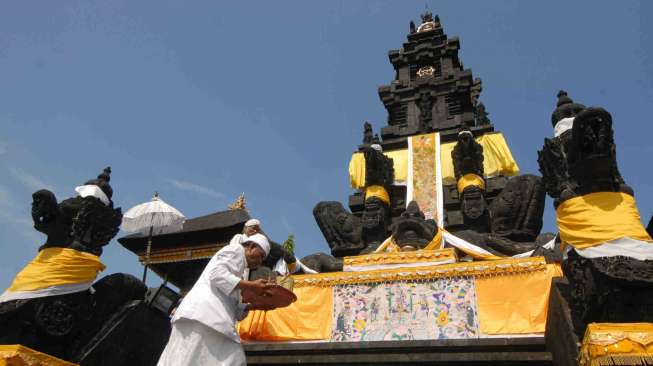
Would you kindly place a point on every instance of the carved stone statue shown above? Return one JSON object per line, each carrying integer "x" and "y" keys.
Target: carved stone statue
{"x": 482, "y": 115}
{"x": 467, "y": 155}
{"x": 425, "y": 112}
{"x": 367, "y": 133}
{"x": 62, "y": 325}
{"x": 511, "y": 224}
{"x": 581, "y": 159}
{"x": 376, "y": 221}
{"x": 347, "y": 234}
{"x": 342, "y": 230}
{"x": 412, "y": 229}
{"x": 322, "y": 262}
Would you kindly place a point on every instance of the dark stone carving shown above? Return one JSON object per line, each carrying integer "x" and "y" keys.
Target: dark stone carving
{"x": 467, "y": 155}
{"x": 517, "y": 211}
{"x": 346, "y": 233}
{"x": 425, "y": 112}
{"x": 565, "y": 108}
{"x": 412, "y": 229}
{"x": 475, "y": 91}
{"x": 580, "y": 161}
{"x": 341, "y": 229}
{"x": 322, "y": 262}
{"x": 610, "y": 289}
{"x": 482, "y": 115}
{"x": 379, "y": 169}
{"x": 511, "y": 224}
{"x": 583, "y": 159}
{"x": 376, "y": 220}
{"x": 474, "y": 208}
{"x": 412, "y": 27}
{"x": 61, "y": 325}
{"x": 367, "y": 133}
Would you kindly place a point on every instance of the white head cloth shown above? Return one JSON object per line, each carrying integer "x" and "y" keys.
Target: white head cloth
{"x": 261, "y": 241}
{"x": 94, "y": 191}
{"x": 377, "y": 147}
{"x": 563, "y": 125}
{"x": 252, "y": 222}
{"x": 466, "y": 132}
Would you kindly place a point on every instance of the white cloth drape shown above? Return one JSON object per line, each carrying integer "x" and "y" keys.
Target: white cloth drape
{"x": 194, "y": 344}
{"x": 563, "y": 125}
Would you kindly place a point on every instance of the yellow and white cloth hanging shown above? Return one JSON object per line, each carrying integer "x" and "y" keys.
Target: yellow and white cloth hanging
{"x": 54, "y": 271}
{"x": 604, "y": 224}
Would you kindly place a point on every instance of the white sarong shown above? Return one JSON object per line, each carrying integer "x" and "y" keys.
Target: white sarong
{"x": 192, "y": 343}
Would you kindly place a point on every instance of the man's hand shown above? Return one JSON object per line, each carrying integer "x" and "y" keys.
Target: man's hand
{"x": 258, "y": 287}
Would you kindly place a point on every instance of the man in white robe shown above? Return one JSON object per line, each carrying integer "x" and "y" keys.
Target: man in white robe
{"x": 204, "y": 324}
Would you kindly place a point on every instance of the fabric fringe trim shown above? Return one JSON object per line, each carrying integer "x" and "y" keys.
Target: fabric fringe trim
{"x": 633, "y": 359}
{"x": 478, "y": 269}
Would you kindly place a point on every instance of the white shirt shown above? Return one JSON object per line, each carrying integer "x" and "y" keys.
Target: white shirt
{"x": 214, "y": 299}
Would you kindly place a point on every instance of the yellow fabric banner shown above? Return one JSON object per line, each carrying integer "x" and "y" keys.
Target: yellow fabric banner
{"x": 617, "y": 344}
{"x": 357, "y": 171}
{"x": 357, "y": 167}
{"x": 515, "y": 304}
{"x": 17, "y": 355}
{"x": 497, "y": 160}
{"x": 470, "y": 180}
{"x": 55, "y": 267}
{"x": 378, "y": 192}
{"x": 308, "y": 318}
{"x": 511, "y": 297}
{"x": 596, "y": 218}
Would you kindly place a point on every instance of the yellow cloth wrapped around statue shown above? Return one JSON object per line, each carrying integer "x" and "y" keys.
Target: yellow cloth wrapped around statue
{"x": 497, "y": 161}
{"x": 54, "y": 271}
{"x": 378, "y": 192}
{"x": 597, "y": 218}
{"x": 470, "y": 180}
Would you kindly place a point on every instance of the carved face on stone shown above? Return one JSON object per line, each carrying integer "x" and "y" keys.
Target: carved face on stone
{"x": 44, "y": 207}
{"x": 375, "y": 214}
{"x": 411, "y": 229}
{"x": 465, "y": 139}
{"x": 473, "y": 202}
{"x": 591, "y": 152}
{"x": 592, "y": 134}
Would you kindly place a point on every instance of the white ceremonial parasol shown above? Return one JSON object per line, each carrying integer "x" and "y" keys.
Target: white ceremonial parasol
{"x": 155, "y": 216}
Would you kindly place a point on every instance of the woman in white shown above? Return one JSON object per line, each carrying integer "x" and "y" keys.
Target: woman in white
{"x": 204, "y": 324}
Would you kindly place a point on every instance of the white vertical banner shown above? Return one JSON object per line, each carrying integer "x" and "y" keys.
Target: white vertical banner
{"x": 438, "y": 183}
{"x": 409, "y": 173}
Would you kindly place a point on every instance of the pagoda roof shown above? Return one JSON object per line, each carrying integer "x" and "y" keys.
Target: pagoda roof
{"x": 216, "y": 227}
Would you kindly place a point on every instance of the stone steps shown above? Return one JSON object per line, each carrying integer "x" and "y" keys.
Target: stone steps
{"x": 493, "y": 351}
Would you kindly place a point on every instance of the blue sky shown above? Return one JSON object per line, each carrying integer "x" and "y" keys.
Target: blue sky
{"x": 202, "y": 101}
